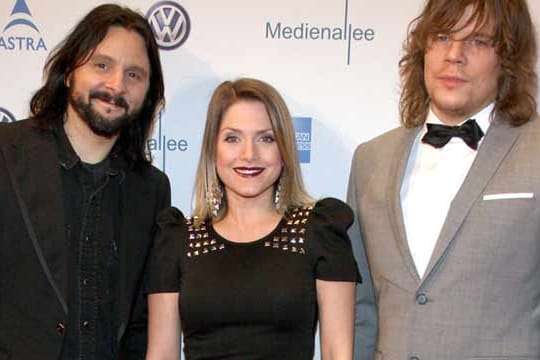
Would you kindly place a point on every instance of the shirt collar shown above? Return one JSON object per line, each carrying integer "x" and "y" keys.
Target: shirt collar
{"x": 68, "y": 158}
{"x": 66, "y": 154}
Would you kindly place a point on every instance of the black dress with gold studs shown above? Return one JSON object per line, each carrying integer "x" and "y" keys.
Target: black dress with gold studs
{"x": 253, "y": 300}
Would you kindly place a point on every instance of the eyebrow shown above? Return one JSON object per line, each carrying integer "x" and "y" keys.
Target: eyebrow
{"x": 480, "y": 33}
{"x": 240, "y": 131}
{"x": 140, "y": 69}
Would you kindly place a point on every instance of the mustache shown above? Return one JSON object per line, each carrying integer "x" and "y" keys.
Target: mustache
{"x": 117, "y": 100}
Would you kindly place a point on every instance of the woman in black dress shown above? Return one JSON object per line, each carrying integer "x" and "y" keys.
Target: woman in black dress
{"x": 260, "y": 262}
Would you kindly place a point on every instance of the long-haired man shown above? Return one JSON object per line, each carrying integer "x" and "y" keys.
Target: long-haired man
{"x": 79, "y": 196}
{"x": 447, "y": 207}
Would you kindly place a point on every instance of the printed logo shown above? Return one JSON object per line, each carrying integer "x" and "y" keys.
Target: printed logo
{"x": 170, "y": 24}
{"x": 6, "y": 116}
{"x": 304, "y": 31}
{"x": 164, "y": 144}
{"x": 21, "y": 33}
{"x": 302, "y": 127}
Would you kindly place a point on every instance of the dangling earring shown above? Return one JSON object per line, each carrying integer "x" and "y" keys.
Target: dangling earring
{"x": 215, "y": 199}
{"x": 277, "y": 193}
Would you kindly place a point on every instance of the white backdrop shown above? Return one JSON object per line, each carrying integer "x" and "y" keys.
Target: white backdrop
{"x": 347, "y": 85}
{"x": 349, "y": 88}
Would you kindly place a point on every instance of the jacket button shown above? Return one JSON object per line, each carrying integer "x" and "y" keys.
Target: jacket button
{"x": 421, "y": 299}
{"x": 60, "y": 328}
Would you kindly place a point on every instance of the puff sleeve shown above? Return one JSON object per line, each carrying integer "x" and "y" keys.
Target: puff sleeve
{"x": 165, "y": 261}
{"x": 329, "y": 245}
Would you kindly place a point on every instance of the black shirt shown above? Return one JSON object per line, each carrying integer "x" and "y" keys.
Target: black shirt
{"x": 253, "y": 300}
{"x": 91, "y": 205}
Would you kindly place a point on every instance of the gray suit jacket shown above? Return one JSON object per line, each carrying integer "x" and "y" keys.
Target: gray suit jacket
{"x": 480, "y": 295}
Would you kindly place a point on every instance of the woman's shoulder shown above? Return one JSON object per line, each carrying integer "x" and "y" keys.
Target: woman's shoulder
{"x": 172, "y": 216}
{"x": 327, "y": 242}
{"x": 327, "y": 214}
{"x": 333, "y": 211}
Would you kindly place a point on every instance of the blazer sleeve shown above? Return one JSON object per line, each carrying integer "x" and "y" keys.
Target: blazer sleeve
{"x": 134, "y": 342}
{"x": 366, "y": 321}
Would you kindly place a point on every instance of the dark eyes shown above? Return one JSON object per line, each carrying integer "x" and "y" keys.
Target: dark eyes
{"x": 231, "y": 139}
{"x": 134, "y": 75}
{"x": 104, "y": 67}
{"x": 263, "y": 138}
{"x": 267, "y": 138}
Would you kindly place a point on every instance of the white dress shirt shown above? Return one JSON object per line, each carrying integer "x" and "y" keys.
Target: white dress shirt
{"x": 432, "y": 180}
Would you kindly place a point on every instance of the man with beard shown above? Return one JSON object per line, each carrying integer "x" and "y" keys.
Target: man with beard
{"x": 79, "y": 197}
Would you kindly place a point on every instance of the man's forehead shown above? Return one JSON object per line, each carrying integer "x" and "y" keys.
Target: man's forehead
{"x": 121, "y": 35}
{"x": 116, "y": 38}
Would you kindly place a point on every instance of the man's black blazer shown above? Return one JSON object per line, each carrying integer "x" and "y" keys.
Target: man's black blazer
{"x": 34, "y": 249}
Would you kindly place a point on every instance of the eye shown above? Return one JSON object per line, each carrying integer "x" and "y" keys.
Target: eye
{"x": 479, "y": 42}
{"x": 442, "y": 38}
{"x": 133, "y": 75}
{"x": 268, "y": 138}
{"x": 100, "y": 66}
{"x": 231, "y": 139}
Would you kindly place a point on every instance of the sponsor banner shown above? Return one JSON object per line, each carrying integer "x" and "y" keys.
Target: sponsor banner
{"x": 21, "y": 33}
{"x": 161, "y": 144}
{"x": 170, "y": 23}
{"x": 302, "y": 127}
{"x": 336, "y": 30}
{"x": 6, "y": 116}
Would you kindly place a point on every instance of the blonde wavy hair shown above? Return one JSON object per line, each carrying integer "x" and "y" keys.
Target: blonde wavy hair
{"x": 292, "y": 189}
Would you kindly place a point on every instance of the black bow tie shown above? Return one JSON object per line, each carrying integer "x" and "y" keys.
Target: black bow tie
{"x": 439, "y": 135}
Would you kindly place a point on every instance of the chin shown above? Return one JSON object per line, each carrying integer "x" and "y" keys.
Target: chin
{"x": 454, "y": 105}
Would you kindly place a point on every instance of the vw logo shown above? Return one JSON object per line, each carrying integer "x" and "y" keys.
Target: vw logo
{"x": 170, "y": 24}
{"x": 6, "y": 116}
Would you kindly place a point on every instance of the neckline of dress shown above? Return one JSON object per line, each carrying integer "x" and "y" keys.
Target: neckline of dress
{"x": 274, "y": 231}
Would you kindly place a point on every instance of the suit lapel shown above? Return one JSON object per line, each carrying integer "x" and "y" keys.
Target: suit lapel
{"x": 134, "y": 214}
{"x": 398, "y": 167}
{"x": 33, "y": 168}
{"x": 498, "y": 142}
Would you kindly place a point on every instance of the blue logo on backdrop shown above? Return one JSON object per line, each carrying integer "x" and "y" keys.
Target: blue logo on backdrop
{"x": 164, "y": 144}
{"x": 302, "y": 127}
{"x": 6, "y": 116}
{"x": 304, "y": 31}
{"x": 170, "y": 23}
{"x": 21, "y": 33}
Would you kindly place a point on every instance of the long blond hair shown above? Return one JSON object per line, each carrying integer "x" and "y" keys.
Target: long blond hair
{"x": 292, "y": 189}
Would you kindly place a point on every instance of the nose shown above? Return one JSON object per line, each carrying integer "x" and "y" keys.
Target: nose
{"x": 455, "y": 52}
{"x": 115, "y": 82}
{"x": 249, "y": 151}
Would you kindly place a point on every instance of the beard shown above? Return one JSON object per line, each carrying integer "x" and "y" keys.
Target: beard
{"x": 99, "y": 124}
